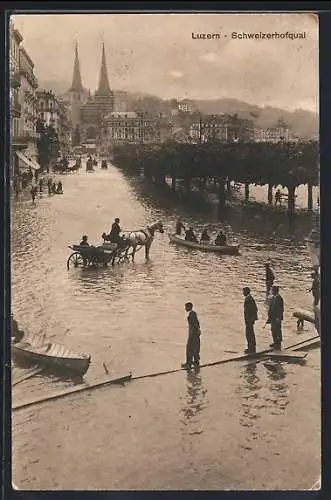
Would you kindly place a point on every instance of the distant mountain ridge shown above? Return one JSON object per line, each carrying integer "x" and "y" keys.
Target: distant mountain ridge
{"x": 301, "y": 122}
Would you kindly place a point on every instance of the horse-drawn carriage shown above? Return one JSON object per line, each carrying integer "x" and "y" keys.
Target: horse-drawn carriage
{"x": 131, "y": 241}
{"x": 91, "y": 256}
{"x": 62, "y": 168}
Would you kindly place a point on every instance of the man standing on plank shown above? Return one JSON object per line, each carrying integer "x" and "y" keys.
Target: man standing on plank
{"x": 275, "y": 317}
{"x": 193, "y": 341}
{"x": 250, "y": 316}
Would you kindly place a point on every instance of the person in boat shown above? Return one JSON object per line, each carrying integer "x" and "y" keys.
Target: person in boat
{"x": 84, "y": 242}
{"x": 114, "y": 235}
{"x": 269, "y": 278}
{"x": 275, "y": 317}
{"x": 190, "y": 235}
{"x": 220, "y": 239}
{"x": 250, "y": 316}
{"x": 315, "y": 288}
{"x": 193, "y": 340}
{"x": 205, "y": 238}
{"x": 179, "y": 227}
{"x": 278, "y": 197}
{"x": 59, "y": 188}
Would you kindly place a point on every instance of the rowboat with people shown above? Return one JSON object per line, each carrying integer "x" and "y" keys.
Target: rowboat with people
{"x": 206, "y": 247}
{"x": 37, "y": 350}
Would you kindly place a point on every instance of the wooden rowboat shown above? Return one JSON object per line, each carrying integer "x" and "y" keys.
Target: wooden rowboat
{"x": 206, "y": 247}
{"x": 35, "y": 349}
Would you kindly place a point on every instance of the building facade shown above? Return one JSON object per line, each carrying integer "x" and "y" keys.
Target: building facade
{"x": 29, "y": 115}
{"x": 15, "y": 97}
{"x": 221, "y": 127}
{"x": 274, "y": 135}
{"x": 23, "y": 108}
{"x": 87, "y": 111}
{"x": 132, "y": 128}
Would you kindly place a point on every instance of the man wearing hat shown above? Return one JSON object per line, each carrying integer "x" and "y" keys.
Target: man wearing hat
{"x": 275, "y": 317}
{"x": 114, "y": 235}
{"x": 250, "y": 316}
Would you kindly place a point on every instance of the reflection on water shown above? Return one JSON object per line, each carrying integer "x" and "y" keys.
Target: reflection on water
{"x": 111, "y": 312}
{"x": 194, "y": 403}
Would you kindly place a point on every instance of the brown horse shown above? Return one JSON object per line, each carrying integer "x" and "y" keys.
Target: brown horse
{"x": 144, "y": 238}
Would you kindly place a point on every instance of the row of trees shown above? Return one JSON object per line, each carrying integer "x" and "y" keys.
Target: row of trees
{"x": 47, "y": 145}
{"x": 285, "y": 164}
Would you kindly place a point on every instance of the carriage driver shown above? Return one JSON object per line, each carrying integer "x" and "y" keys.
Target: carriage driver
{"x": 84, "y": 242}
{"x": 114, "y": 235}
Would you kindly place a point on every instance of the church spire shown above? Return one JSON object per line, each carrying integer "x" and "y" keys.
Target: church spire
{"x": 76, "y": 85}
{"x": 103, "y": 88}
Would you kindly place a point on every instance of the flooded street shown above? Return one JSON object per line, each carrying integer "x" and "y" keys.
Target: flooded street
{"x": 237, "y": 426}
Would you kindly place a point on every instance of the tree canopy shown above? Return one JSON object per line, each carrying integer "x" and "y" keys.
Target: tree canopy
{"x": 287, "y": 164}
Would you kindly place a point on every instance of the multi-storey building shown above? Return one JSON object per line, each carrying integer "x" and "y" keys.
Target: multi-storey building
{"x": 64, "y": 127}
{"x": 274, "y": 135}
{"x": 48, "y": 108}
{"x": 221, "y": 127}
{"x": 23, "y": 117}
{"x": 186, "y": 106}
{"x": 15, "y": 99}
{"x": 132, "y": 128}
{"x": 28, "y": 119}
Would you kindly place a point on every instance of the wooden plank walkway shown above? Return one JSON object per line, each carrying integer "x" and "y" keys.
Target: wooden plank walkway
{"x": 72, "y": 390}
{"x": 265, "y": 353}
{"x": 26, "y": 376}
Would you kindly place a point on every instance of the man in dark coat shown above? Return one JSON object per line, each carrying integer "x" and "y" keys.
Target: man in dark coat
{"x": 179, "y": 227}
{"x": 193, "y": 340}
{"x": 250, "y": 316}
{"x": 115, "y": 232}
{"x": 315, "y": 288}
{"x": 269, "y": 278}
{"x": 275, "y": 317}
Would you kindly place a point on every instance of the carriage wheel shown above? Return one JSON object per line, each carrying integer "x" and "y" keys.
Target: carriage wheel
{"x": 75, "y": 260}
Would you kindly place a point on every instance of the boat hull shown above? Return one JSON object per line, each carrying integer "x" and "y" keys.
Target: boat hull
{"x": 52, "y": 355}
{"x": 205, "y": 247}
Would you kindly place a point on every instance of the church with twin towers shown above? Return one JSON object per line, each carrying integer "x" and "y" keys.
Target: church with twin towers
{"x": 87, "y": 111}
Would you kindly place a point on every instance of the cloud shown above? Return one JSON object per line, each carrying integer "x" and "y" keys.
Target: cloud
{"x": 209, "y": 57}
{"x": 176, "y": 74}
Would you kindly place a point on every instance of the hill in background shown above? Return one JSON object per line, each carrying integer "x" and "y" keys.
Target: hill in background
{"x": 300, "y": 122}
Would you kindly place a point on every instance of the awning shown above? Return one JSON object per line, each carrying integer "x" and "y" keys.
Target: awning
{"x": 28, "y": 162}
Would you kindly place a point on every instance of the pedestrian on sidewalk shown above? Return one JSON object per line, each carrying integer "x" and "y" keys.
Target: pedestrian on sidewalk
{"x": 193, "y": 340}
{"x": 275, "y": 317}
{"x": 250, "y": 316}
{"x": 269, "y": 278}
{"x": 33, "y": 193}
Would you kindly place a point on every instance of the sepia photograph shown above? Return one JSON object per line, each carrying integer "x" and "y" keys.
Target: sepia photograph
{"x": 165, "y": 251}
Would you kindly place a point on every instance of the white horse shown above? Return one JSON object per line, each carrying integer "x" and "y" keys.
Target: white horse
{"x": 144, "y": 237}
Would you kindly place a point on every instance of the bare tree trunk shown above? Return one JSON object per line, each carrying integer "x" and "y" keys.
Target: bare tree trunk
{"x": 228, "y": 186}
{"x": 173, "y": 183}
{"x": 310, "y": 196}
{"x": 246, "y": 192}
{"x": 291, "y": 198}
{"x": 188, "y": 184}
{"x": 270, "y": 194}
{"x": 221, "y": 195}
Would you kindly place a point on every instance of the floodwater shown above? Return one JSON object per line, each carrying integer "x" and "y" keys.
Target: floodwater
{"x": 234, "y": 426}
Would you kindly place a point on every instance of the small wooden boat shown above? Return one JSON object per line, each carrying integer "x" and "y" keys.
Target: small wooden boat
{"x": 37, "y": 350}
{"x": 206, "y": 247}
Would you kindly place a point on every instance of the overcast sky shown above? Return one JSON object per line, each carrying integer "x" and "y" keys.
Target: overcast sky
{"x": 155, "y": 53}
